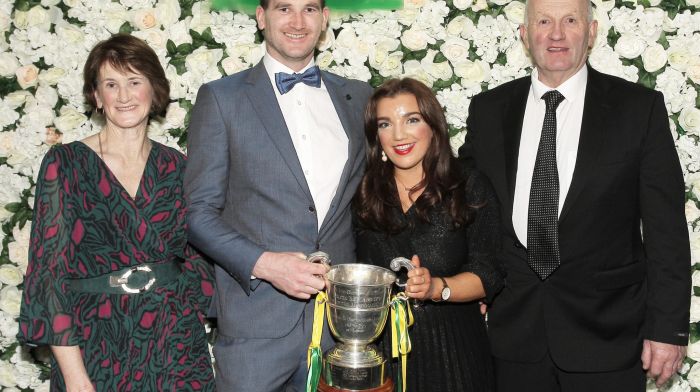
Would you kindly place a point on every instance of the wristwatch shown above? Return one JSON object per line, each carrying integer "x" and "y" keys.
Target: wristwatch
{"x": 445, "y": 293}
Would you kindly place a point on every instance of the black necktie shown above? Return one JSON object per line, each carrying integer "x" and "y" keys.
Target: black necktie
{"x": 310, "y": 77}
{"x": 542, "y": 214}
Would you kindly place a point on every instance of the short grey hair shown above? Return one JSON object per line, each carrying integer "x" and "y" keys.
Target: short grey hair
{"x": 590, "y": 12}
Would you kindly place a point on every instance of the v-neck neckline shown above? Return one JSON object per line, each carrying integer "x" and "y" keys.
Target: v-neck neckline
{"x": 116, "y": 179}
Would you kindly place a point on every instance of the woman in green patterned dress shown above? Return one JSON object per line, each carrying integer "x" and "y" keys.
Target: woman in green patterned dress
{"x": 112, "y": 286}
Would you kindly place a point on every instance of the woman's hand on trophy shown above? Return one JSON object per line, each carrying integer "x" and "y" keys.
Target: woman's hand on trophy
{"x": 419, "y": 283}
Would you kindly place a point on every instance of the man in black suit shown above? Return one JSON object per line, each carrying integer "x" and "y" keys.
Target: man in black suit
{"x": 594, "y": 234}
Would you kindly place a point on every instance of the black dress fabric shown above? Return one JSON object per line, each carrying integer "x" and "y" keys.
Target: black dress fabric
{"x": 450, "y": 348}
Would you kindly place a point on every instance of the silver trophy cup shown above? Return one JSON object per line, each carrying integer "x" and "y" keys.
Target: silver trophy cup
{"x": 359, "y": 297}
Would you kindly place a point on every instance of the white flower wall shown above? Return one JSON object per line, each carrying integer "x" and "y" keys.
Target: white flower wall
{"x": 460, "y": 47}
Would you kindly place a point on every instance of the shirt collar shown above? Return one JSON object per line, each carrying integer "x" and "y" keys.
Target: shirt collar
{"x": 571, "y": 88}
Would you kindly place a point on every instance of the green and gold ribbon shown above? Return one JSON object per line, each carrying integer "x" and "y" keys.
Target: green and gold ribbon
{"x": 314, "y": 358}
{"x": 248, "y": 6}
{"x": 401, "y": 319}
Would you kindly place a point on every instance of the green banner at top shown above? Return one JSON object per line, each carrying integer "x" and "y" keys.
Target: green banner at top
{"x": 248, "y": 6}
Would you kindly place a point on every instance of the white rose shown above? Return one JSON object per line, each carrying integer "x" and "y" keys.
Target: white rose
{"x": 694, "y": 309}
{"x": 459, "y": 26}
{"x": 175, "y": 116}
{"x": 145, "y": 18}
{"x": 326, "y": 40}
{"x": 5, "y": 22}
{"x": 441, "y": 70}
{"x": 630, "y": 46}
{"x": 692, "y": 212}
{"x": 155, "y": 37}
{"x": 461, "y": 4}
{"x": 500, "y": 2}
{"x": 679, "y": 57}
{"x": 114, "y": 15}
{"x": 179, "y": 32}
{"x": 69, "y": 119}
{"x": 689, "y": 120}
{"x": 70, "y": 34}
{"x": 10, "y": 275}
{"x": 472, "y": 73}
{"x": 654, "y": 57}
{"x": 201, "y": 60}
{"x": 231, "y": 65}
{"x": 7, "y": 374}
{"x": 515, "y": 12}
{"x": 27, "y": 76}
{"x": 20, "y": 20}
{"x": 8, "y": 64}
{"x": 694, "y": 375}
{"x": 168, "y": 12}
{"x": 46, "y": 96}
{"x": 416, "y": 39}
{"x": 201, "y": 17}
{"x": 406, "y": 16}
{"x": 479, "y": 5}
{"x": 392, "y": 65}
{"x": 696, "y": 283}
{"x": 16, "y": 99}
{"x": 51, "y": 76}
{"x": 10, "y": 299}
{"x": 414, "y": 69}
{"x": 38, "y": 17}
{"x": 693, "y": 70}
{"x": 455, "y": 49}
{"x": 693, "y": 3}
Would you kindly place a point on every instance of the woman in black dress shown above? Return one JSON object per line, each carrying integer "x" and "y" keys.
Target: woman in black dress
{"x": 417, "y": 201}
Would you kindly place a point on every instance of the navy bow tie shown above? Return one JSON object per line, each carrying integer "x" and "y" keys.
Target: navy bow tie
{"x": 310, "y": 77}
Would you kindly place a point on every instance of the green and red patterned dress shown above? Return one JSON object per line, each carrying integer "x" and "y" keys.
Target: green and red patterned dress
{"x": 85, "y": 224}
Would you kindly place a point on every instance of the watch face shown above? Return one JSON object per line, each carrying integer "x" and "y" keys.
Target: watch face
{"x": 445, "y": 293}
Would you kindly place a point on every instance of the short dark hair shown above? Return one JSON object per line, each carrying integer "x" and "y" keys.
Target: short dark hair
{"x": 265, "y": 3}
{"x": 444, "y": 180}
{"x": 127, "y": 53}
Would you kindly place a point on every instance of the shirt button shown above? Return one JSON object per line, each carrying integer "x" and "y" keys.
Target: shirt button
{"x": 299, "y": 102}
{"x": 303, "y": 137}
{"x": 306, "y": 172}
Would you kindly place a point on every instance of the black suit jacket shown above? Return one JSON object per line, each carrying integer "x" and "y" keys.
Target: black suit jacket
{"x": 615, "y": 286}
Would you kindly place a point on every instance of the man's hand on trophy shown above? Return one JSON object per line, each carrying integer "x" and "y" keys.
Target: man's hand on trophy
{"x": 290, "y": 273}
{"x": 419, "y": 283}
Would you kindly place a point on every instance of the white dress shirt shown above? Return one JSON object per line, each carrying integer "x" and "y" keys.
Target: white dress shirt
{"x": 317, "y": 133}
{"x": 569, "y": 117}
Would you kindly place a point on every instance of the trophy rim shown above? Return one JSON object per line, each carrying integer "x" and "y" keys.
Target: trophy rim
{"x": 361, "y": 266}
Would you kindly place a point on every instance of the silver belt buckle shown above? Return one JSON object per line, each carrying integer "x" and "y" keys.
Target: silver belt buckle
{"x": 123, "y": 280}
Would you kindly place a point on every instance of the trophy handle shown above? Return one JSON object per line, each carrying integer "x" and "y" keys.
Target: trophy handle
{"x": 319, "y": 257}
{"x": 396, "y": 265}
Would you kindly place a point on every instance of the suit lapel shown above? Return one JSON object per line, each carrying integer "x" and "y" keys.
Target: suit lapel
{"x": 595, "y": 111}
{"x": 341, "y": 102}
{"x": 514, "y": 110}
{"x": 262, "y": 95}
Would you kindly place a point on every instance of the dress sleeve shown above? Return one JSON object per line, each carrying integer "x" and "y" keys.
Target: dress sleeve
{"x": 200, "y": 271}
{"x": 484, "y": 235}
{"x": 46, "y": 316}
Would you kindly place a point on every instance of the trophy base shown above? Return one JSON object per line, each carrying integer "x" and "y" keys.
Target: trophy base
{"x": 388, "y": 386}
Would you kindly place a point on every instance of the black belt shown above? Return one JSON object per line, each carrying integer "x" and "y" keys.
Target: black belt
{"x": 131, "y": 280}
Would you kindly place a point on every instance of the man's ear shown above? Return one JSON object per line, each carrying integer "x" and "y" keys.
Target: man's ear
{"x": 260, "y": 17}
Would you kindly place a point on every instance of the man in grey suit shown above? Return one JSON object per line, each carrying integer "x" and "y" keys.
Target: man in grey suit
{"x": 275, "y": 154}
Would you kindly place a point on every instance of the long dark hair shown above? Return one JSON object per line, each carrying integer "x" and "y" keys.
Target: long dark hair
{"x": 443, "y": 179}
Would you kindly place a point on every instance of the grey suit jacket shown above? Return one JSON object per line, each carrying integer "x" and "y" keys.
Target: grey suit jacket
{"x": 247, "y": 194}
